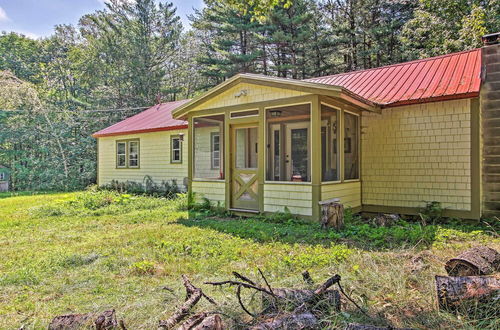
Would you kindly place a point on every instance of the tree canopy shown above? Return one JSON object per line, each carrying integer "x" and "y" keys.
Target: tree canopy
{"x": 131, "y": 55}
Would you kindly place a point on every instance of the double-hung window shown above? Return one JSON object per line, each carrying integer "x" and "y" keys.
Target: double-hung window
{"x": 127, "y": 154}
{"x": 215, "y": 148}
{"x": 175, "y": 149}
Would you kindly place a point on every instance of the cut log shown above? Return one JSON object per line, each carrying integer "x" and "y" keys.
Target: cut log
{"x": 289, "y": 322}
{"x": 454, "y": 292}
{"x": 332, "y": 214}
{"x": 480, "y": 260}
{"x": 203, "y": 321}
{"x": 289, "y": 299}
{"x": 212, "y": 322}
{"x": 357, "y": 326}
{"x": 101, "y": 321}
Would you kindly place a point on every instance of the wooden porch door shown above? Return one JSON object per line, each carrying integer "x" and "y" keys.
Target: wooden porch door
{"x": 244, "y": 167}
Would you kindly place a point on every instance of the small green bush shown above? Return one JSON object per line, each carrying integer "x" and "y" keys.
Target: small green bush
{"x": 143, "y": 267}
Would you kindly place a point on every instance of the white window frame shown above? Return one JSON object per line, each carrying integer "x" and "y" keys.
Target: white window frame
{"x": 214, "y": 152}
{"x": 172, "y": 149}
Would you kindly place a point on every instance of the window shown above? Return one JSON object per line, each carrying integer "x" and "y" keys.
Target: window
{"x": 121, "y": 154}
{"x": 207, "y": 146}
{"x": 351, "y": 146}
{"x": 329, "y": 139}
{"x": 215, "y": 148}
{"x": 127, "y": 154}
{"x": 175, "y": 149}
{"x": 289, "y": 147}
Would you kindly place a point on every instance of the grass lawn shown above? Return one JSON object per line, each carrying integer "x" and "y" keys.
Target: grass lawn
{"x": 81, "y": 252}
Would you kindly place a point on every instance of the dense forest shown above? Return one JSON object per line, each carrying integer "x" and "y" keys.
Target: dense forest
{"x": 53, "y": 91}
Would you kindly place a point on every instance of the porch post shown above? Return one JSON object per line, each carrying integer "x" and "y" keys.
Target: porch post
{"x": 316, "y": 156}
{"x": 261, "y": 174}
{"x": 190, "y": 153}
{"x": 226, "y": 133}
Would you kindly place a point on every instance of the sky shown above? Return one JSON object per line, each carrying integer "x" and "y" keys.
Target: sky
{"x": 37, "y": 18}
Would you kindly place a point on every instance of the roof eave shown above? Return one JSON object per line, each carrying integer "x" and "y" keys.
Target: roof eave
{"x": 432, "y": 99}
{"x": 147, "y": 130}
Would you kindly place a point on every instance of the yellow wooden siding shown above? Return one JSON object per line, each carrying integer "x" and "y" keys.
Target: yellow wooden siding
{"x": 418, "y": 153}
{"x": 213, "y": 190}
{"x": 154, "y": 159}
{"x": 254, "y": 93}
{"x": 296, "y": 197}
{"x": 349, "y": 193}
{"x": 203, "y": 153}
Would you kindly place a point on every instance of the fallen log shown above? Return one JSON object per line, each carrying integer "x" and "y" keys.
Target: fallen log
{"x": 289, "y": 322}
{"x": 454, "y": 292}
{"x": 101, "y": 321}
{"x": 357, "y": 326}
{"x": 480, "y": 260}
{"x": 203, "y": 321}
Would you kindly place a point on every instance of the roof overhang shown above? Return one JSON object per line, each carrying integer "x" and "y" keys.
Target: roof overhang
{"x": 147, "y": 130}
{"x": 337, "y": 92}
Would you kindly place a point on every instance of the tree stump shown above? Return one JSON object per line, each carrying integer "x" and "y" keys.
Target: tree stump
{"x": 453, "y": 292}
{"x": 332, "y": 214}
{"x": 480, "y": 260}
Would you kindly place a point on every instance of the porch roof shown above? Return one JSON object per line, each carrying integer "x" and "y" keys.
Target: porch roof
{"x": 286, "y": 83}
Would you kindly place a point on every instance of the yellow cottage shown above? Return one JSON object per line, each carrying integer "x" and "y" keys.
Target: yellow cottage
{"x": 387, "y": 139}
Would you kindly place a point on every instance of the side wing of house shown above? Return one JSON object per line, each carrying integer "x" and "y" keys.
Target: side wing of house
{"x": 422, "y": 153}
{"x": 133, "y": 157}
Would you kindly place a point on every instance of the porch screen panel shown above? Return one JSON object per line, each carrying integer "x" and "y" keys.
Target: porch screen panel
{"x": 330, "y": 160}
{"x": 289, "y": 143}
{"x": 351, "y": 146}
{"x": 207, "y": 147}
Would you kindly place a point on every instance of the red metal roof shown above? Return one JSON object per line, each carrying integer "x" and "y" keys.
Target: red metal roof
{"x": 445, "y": 77}
{"x": 156, "y": 118}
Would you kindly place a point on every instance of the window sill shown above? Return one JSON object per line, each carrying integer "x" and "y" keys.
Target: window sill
{"x": 208, "y": 180}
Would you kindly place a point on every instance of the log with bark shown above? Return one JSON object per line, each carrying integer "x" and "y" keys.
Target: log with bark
{"x": 480, "y": 260}
{"x": 454, "y": 292}
{"x": 289, "y": 321}
{"x": 332, "y": 214}
{"x": 358, "y": 326}
{"x": 101, "y": 321}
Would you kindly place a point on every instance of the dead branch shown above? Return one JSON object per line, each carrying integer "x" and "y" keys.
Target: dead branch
{"x": 244, "y": 278}
{"x": 243, "y": 284}
{"x": 191, "y": 288}
{"x": 265, "y": 281}
{"x": 193, "y": 321}
{"x": 101, "y": 321}
{"x": 328, "y": 283}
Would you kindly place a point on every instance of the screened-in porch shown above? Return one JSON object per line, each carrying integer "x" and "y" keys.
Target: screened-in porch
{"x": 285, "y": 153}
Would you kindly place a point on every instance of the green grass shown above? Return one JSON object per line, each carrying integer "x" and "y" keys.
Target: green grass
{"x": 81, "y": 252}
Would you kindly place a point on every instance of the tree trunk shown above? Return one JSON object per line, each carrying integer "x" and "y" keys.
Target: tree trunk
{"x": 480, "y": 260}
{"x": 453, "y": 292}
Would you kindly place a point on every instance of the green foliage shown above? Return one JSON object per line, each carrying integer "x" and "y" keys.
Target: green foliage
{"x": 167, "y": 189}
{"x": 143, "y": 267}
{"x": 97, "y": 202}
{"x": 431, "y": 213}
